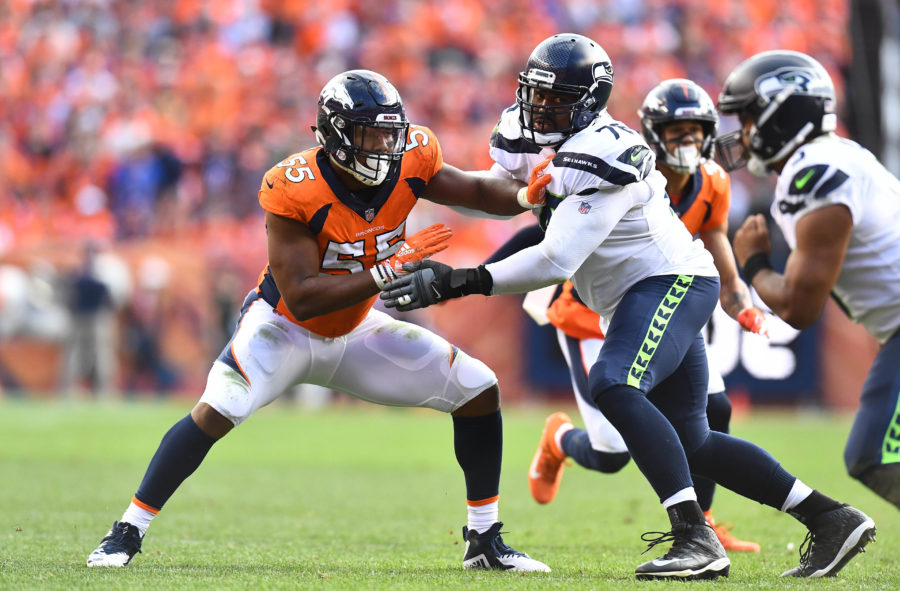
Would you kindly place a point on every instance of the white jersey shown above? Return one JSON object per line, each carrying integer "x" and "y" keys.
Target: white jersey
{"x": 607, "y": 219}
{"x": 832, "y": 170}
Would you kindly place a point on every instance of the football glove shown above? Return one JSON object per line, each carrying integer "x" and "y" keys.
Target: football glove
{"x": 753, "y": 320}
{"x": 416, "y": 248}
{"x": 431, "y": 282}
{"x": 532, "y": 195}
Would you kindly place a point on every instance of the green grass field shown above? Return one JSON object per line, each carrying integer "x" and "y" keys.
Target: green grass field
{"x": 364, "y": 497}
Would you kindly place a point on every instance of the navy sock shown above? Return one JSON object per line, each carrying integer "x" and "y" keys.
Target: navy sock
{"x": 718, "y": 412}
{"x": 650, "y": 438}
{"x": 577, "y": 445}
{"x": 180, "y": 452}
{"x": 478, "y": 443}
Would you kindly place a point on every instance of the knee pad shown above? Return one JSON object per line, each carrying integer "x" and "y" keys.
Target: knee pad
{"x": 884, "y": 480}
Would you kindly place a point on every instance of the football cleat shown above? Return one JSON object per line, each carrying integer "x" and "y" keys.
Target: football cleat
{"x": 546, "y": 470}
{"x": 695, "y": 554}
{"x": 118, "y": 547}
{"x": 729, "y": 542}
{"x": 833, "y": 539}
{"x": 488, "y": 551}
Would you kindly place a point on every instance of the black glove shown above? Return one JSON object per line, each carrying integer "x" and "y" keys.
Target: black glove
{"x": 430, "y": 282}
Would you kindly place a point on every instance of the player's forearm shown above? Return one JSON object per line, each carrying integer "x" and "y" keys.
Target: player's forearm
{"x": 734, "y": 296}
{"x": 317, "y": 296}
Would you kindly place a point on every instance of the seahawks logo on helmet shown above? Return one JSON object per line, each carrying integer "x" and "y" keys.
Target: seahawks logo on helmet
{"x": 803, "y": 81}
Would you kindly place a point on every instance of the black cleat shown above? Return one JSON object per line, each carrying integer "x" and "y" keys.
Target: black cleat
{"x": 488, "y": 551}
{"x": 118, "y": 547}
{"x": 695, "y": 554}
{"x": 833, "y": 539}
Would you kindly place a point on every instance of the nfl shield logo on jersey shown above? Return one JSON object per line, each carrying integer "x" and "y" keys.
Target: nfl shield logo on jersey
{"x": 584, "y": 207}
{"x": 370, "y": 214}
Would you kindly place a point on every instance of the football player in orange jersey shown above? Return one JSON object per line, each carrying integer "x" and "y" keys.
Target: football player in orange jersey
{"x": 679, "y": 123}
{"x": 336, "y": 223}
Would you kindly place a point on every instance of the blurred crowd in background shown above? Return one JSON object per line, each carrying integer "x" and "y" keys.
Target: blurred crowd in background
{"x": 133, "y": 137}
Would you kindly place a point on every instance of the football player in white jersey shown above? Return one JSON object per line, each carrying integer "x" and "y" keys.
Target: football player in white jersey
{"x": 679, "y": 122}
{"x": 610, "y": 229}
{"x": 837, "y": 207}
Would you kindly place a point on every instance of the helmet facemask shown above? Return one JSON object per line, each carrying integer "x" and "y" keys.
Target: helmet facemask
{"x": 365, "y": 150}
{"x": 548, "y": 124}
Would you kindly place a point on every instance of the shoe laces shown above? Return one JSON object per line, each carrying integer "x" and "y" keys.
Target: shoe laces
{"x": 654, "y": 538}
{"x": 806, "y": 547}
{"x": 124, "y": 537}
{"x": 499, "y": 546}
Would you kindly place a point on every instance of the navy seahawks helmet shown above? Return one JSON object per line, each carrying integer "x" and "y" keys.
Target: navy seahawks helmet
{"x": 679, "y": 100}
{"x": 569, "y": 65}
{"x": 787, "y": 95}
{"x": 362, "y": 125}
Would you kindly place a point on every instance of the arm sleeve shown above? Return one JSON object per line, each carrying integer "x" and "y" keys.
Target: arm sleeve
{"x": 578, "y": 227}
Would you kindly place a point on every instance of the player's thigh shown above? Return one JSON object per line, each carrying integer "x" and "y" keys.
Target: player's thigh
{"x": 397, "y": 363}
{"x": 580, "y": 355}
{"x": 653, "y": 327}
{"x": 682, "y": 397}
{"x": 266, "y": 355}
{"x": 875, "y": 436}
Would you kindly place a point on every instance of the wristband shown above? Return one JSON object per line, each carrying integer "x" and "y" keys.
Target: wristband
{"x": 382, "y": 274}
{"x": 522, "y": 198}
{"x": 754, "y": 265}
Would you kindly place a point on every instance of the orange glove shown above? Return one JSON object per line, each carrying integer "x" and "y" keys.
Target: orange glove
{"x": 414, "y": 249}
{"x": 532, "y": 195}
{"x": 753, "y": 320}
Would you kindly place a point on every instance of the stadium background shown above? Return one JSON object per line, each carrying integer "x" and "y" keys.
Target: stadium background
{"x": 141, "y": 131}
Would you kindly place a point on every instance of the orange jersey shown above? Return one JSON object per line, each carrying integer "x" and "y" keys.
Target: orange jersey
{"x": 703, "y": 206}
{"x": 352, "y": 234}
{"x": 706, "y": 199}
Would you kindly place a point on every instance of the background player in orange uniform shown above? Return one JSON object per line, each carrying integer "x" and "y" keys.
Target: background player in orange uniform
{"x": 336, "y": 221}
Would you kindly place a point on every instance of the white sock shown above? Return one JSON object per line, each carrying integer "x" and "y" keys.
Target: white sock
{"x": 138, "y": 517}
{"x": 482, "y": 517}
{"x": 685, "y": 494}
{"x": 557, "y": 437}
{"x": 798, "y": 492}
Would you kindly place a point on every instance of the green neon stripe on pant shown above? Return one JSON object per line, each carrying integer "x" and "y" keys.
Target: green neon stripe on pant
{"x": 890, "y": 447}
{"x": 657, "y": 328}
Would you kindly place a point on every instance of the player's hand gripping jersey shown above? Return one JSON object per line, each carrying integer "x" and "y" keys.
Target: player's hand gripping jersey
{"x": 353, "y": 235}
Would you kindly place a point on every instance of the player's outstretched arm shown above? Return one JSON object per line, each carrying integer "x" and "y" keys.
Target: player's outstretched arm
{"x": 475, "y": 190}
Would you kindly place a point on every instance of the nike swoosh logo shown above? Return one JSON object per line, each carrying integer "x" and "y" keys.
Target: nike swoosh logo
{"x": 800, "y": 183}
{"x": 271, "y": 185}
{"x": 664, "y": 561}
{"x": 532, "y": 472}
{"x": 635, "y": 156}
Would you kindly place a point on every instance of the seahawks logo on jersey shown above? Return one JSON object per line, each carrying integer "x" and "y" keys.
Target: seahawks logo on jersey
{"x": 808, "y": 183}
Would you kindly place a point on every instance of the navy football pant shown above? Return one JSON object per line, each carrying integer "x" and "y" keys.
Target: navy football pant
{"x": 650, "y": 381}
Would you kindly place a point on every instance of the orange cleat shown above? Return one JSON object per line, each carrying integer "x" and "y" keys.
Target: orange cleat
{"x": 723, "y": 532}
{"x": 545, "y": 472}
